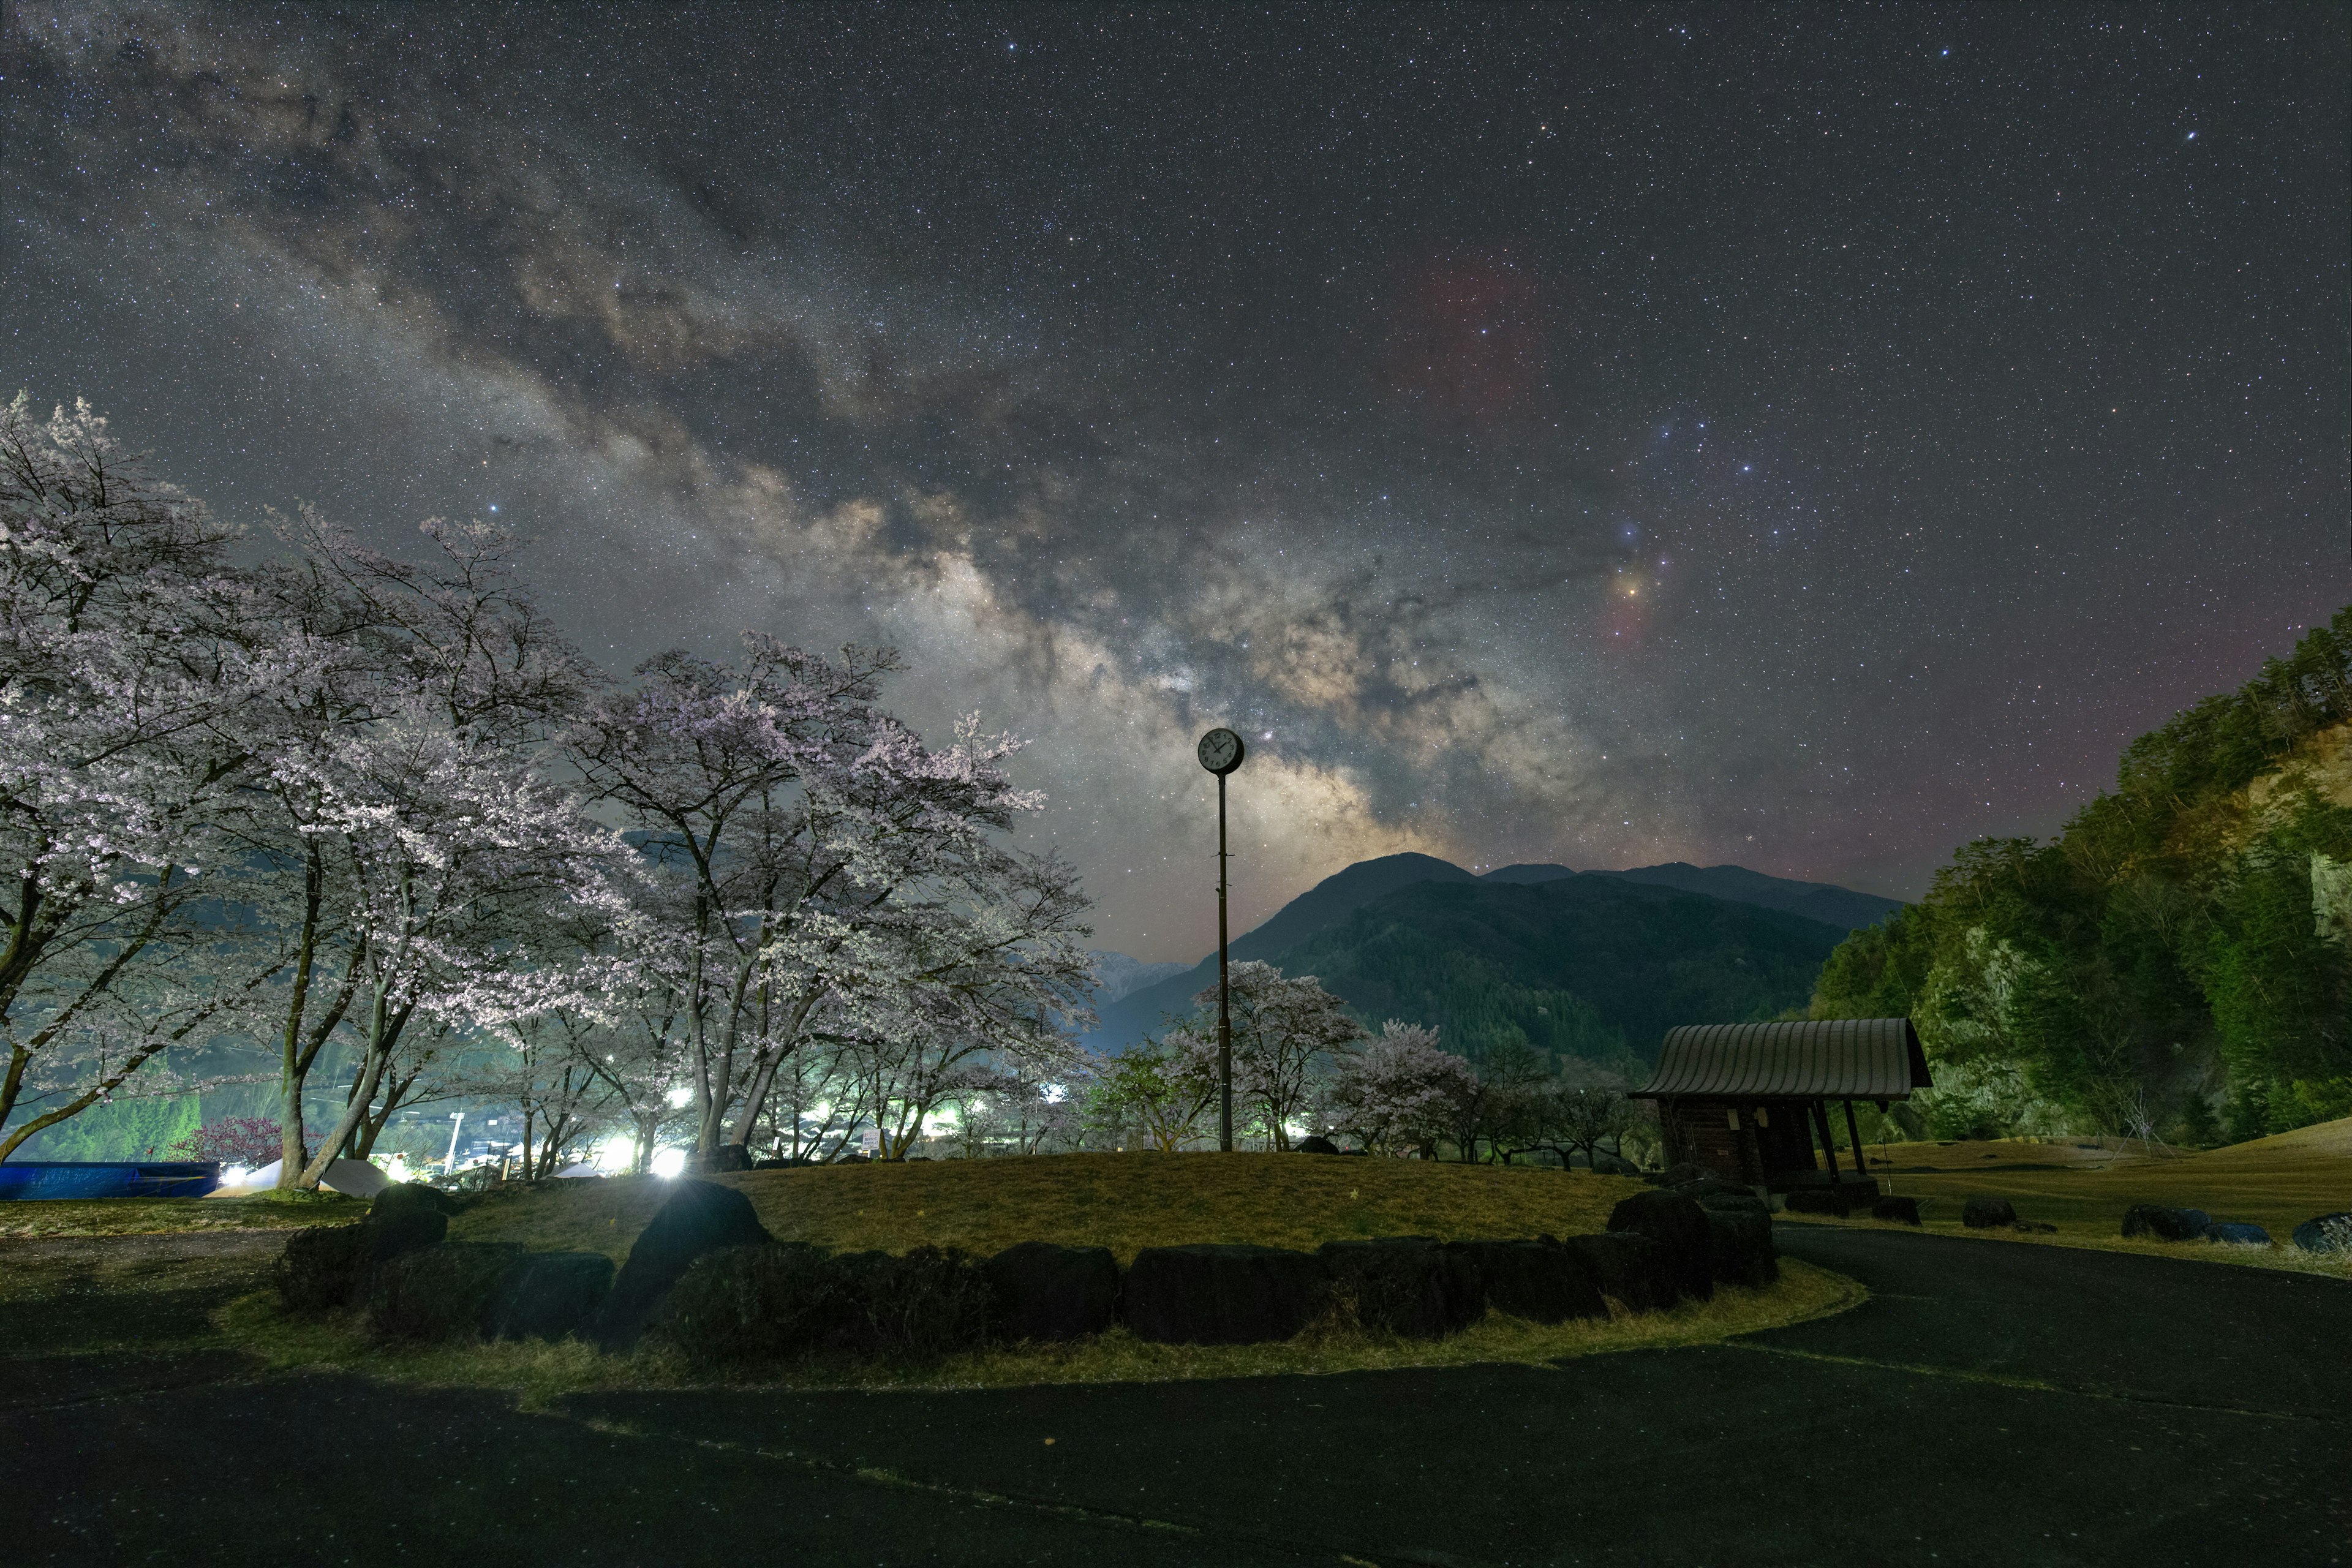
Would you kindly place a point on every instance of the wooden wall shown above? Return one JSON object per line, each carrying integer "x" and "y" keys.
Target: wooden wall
{"x": 1747, "y": 1140}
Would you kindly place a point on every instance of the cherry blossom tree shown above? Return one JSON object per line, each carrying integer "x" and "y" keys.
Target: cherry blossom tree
{"x": 1289, "y": 1034}
{"x": 457, "y": 848}
{"x": 845, "y": 880}
{"x": 455, "y": 641}
{"x": 1402, "y": 1093}
{"x": 126, "y": 669}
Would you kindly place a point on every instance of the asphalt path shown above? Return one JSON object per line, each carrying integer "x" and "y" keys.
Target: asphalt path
{"x": 1992, "y": 1403}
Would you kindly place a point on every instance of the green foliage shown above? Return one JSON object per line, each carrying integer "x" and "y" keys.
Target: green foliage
{"x": 124, "y": 1129}
{"x": 2183, "y": 940}
{"x": 1586, "y": 968}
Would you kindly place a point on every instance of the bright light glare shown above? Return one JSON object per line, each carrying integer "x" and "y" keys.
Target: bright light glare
{"x": 679, "y": 1096}
{"x": 236, "y": 1176}
{"x": 670, "y": 1162}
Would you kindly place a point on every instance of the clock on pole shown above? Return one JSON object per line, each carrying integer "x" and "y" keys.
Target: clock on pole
{"x": 1221, "y": 752}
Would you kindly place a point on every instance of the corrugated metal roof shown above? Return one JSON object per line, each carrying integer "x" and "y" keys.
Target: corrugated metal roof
{"x": 1845, "y": 1058}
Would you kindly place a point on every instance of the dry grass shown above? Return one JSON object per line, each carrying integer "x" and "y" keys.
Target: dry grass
{"x": 2276, "y": 1183}
{"x": 1124, "y": 1202}
{"x": 541, "y": 1373}
{"x": 47, "y": 1218}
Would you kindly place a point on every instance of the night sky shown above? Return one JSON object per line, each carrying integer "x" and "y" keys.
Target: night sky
{"x": 1802, "y": 439}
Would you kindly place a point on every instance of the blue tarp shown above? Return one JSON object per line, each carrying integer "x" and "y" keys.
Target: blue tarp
{"x": 92, "y": 1179}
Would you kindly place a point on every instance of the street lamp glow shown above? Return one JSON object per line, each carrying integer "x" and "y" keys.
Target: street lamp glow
{"x": 670, "y": 1162}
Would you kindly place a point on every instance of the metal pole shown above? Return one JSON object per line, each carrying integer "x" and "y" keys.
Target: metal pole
{"x": 1853, "y": 1136}
{"x": 1224, "y": 994}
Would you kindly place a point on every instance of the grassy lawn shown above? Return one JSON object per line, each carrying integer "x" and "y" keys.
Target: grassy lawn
{"x": 1124, "y": 1202}
{"x": 2276, "y": 1183}
{"x": 47, "y": 1217}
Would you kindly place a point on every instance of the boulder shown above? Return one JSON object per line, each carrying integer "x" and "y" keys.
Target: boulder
{"x": 1818, "y": 1200}
{"x": 915, "y": 1305}
{"x": 325, "y": 1266}
{"x": 1891, "y": 1207}
{"x": 2165, "y": 1224}
{"x": 1739, "y": 1202}
{"x": 1984, "y": 1213}
{"x": 1713, "y": 1186}
{"x": 2237, "y": 1233}
{"x": 1051, "y": 1293}
{"x": 757, "y": 1304}
{"x": 1741, "y": 1251}
{"x": 1315, "y": 1143}
{"x": 1605, "y": 1165}
{"x": 405, "y": 1216}
{"x": 773, "y": 1301}
{"x": 1630, "y": 1268}
{"x": 1222, "y": 1295}
{"x": 547, "y": 1295}
{"x": 1679, "y": 1226}
{"x": 440, "y": 1292}
{"x": 1541, "y": 1282}
{"x": 1405, "y": 1285}
{"x": 698, "y": 1217}
{"x": 2326, "y": 1232}
{"x": 322, "y": 1266}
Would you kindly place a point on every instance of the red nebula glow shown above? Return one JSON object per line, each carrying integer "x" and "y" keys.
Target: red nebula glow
{"x": 1466, "y": 336}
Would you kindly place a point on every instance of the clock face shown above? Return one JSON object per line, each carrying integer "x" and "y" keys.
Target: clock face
{"x": 1221, "y": 751}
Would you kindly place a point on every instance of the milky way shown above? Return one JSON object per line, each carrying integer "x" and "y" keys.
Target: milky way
{"x": 1804, "y": 439}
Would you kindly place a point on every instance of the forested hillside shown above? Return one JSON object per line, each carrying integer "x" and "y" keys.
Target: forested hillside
{"x": 1476, "y": 995}
{"x": 2179, "y": 956}
{"x": 1586, "y": 967}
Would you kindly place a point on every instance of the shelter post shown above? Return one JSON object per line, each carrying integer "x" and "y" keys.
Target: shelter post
{"x": 1829, "y": 1140}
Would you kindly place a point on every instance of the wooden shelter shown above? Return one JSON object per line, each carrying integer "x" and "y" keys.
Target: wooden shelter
{"x": 1751, "y": 1100}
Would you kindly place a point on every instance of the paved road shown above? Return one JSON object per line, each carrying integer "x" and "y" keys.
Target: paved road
{"x": 1991, "y": 1403}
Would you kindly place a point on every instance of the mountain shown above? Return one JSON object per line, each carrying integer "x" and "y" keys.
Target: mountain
{"x": 1328, "y": 902}
{"x": 1335, "y": 897}
{"x": 1117, "y": 974}
{"x": 1585, "y": 964}
{"x": 1526, "y": 873}
{"x": 1590, "y": 966}
{"x": 1841, "y": 907}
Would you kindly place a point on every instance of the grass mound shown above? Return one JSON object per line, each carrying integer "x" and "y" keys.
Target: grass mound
{"x": 1124, "y": 1202}
{"x": 2327, "y": 1143}
{"x": 2276, "y": 1183}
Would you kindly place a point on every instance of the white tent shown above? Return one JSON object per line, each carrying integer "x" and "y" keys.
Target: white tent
{"x": 353, "y": 1178}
